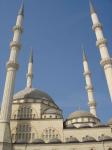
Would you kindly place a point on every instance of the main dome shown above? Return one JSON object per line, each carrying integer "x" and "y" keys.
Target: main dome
{"x": 32, "y": 93}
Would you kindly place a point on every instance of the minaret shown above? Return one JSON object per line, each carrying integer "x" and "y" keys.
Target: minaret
{"x": 12, "y": 66}
{"x": 30, "y": 71}
{"x": 101, "y": 43}
{"x": 89, "y": 86}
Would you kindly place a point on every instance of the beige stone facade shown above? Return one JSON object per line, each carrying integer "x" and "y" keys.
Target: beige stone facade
{"x": 31, "y": 120}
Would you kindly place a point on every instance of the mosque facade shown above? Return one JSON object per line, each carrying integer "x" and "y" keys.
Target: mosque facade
{"x": 31, "y": 120}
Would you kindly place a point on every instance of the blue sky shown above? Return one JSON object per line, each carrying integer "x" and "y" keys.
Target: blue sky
{"x": 56, "y": 29}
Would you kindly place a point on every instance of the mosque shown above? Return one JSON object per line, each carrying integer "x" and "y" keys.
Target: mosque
{"x": 31, "y": 120}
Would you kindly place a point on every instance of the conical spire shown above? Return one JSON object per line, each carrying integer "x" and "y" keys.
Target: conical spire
{"x": 30, "y": 71}
{"x": 92, "y": 9}
{"x": 21, "y": 10}
{"x": 84, "y": 54}
{"x": 31, "y": 56}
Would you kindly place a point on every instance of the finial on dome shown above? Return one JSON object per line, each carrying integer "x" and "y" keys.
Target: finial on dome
{"x": 21, "y": 10}
{"x": 84, "y": 54}
{"x": 92, "y": 9}
{"x": 31, "y": 56}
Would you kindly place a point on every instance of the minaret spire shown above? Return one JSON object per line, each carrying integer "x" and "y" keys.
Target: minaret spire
{"x": 12, "y": 66}
{"x": 92, "y": 9}
{"x": 84, "y": 54}
{"x": 30, "y": 71}
{"x": 21, "y": 10}
{"x": 101, "y": 43}
{"x": 89, "y": 86}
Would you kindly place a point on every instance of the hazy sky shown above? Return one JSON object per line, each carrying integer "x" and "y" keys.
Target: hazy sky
{"x": 56, "y": 29}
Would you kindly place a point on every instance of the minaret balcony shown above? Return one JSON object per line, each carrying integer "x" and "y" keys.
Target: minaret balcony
{"x": 87, "y": 73}
{"x": 92, "y": 103}
{"x": 12, "y": 64}
{"x": 101, "y": 42}
{"x": 89, "y": 88}
{"x": 29, "y": 75}
{"x": 15, "y": 44}
{"x": 106, "y": 61}
{"x": 17, "y": 27}
{"x": 97, "y": 25}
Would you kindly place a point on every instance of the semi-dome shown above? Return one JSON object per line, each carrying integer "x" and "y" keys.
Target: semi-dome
{"x": 79, "y": 114}
{"x": 32, "y": 93}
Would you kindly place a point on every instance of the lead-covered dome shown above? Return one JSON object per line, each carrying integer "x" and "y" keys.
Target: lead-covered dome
{"x": 33, "y": 94}
{"x": 78, "y": 114}
{"x": 80, "y": 118}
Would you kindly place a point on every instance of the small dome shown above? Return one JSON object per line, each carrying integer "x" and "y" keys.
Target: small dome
{"x": 54, "y": 141}
{"x": 38, "y": 141}
{"x": 53, "y": 111}
{"x": 79, "y": 114}
{"x": 32, "y": 93}
{"x": 88, "y": 139}
{"x": 72, "y": 140}
{"x": 110, "y": 121}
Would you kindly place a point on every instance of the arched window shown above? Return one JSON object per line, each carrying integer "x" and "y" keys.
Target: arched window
{"x": 23, "y": 133}
{"x": 25, "y": 112}
{"x": 49, "y": 134}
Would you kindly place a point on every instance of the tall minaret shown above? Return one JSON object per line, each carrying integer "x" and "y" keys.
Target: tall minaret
{"x": 101, "y": 43}
{"x": 30, "y": 71}
{"x": 12, "y": 66}
{"x": 89, "y": 86}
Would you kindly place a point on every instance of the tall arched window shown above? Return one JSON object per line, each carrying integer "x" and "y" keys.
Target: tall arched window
{"x": 23, "y": 133}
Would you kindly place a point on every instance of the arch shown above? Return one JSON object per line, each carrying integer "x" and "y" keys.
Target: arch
{"x": 110, "y": 148}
